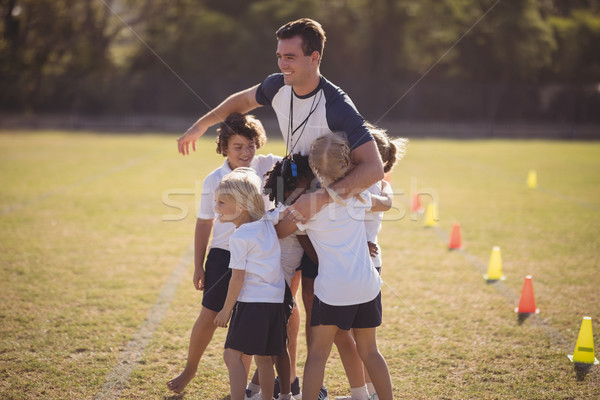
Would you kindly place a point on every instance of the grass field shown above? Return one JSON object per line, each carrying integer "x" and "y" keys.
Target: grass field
{"x": 89, "y": 251}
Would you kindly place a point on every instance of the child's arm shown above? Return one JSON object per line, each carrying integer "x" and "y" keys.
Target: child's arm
{"x": 285, "y": 227}
{"x": 308, "y": 248}
{"x": 382, "y": 202}
{"x": 233, "y": 292}
{"x": 203, "y": 229}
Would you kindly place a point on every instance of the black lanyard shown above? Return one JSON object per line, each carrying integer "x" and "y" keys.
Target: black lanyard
{"x": 291, "y": 130}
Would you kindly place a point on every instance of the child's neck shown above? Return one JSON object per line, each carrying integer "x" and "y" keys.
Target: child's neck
{"x": 244, "y": 218}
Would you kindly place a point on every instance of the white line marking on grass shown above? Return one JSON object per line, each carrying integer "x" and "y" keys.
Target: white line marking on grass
{"x": 551, "y": 333}
{"x": 129, "y": 357}
{"x": 89, "y": 179}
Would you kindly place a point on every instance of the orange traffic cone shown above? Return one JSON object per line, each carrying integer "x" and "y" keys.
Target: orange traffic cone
{"x": 527, "y": 301}
{"x": 455, "y": 237}
{"x": 416, "y": 205}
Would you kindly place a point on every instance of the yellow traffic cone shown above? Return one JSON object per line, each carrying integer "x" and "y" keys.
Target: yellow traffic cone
{"x": 532, "y": 179}
{"x": 584, "y": 348}
{"x": 494, "y": 271}
{"x": 430, "y": 215}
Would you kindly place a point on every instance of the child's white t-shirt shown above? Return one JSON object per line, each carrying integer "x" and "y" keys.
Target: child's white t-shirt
{"x": 346, "y": 273}
{"x": 291, "y": 249}
{"x": 373, "y": 223}
{"x": 222, "y": 230}
{"x": 255, "y": 248}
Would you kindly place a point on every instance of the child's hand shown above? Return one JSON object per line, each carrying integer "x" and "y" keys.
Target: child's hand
{"x": 199, "y": 278}
{"x": 373, "y": 250}
{"x": 222, "y": 318}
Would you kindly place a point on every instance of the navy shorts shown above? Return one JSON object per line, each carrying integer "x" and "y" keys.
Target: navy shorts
{"x": 257, "y": 329}
{"x": 365, "y": 315}
{"x": 309, "y": 269}
{"x": 216, "y": 279}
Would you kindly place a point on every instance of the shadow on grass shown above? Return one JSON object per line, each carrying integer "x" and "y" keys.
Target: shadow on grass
{"x": 522, "y": 317}
{"x": 581, "y": 370}
{"x": 181, "y": 396}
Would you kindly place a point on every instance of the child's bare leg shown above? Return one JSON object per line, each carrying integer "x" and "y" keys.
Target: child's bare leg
{"x": 367, "y": 378}
{"x": 366, "y": 344}
{"x": 350, "y": 359}
{"x": 308, "y": 295}
{"x": 266, "y": 375}
{"x": 247, "y": 360}
{"x": 202, "y": 333}
{"x": 293, "y": 327}
{"x": 282, "y": 365}
{"x": 321, "y": 341}
{"x": 237, "y": 373}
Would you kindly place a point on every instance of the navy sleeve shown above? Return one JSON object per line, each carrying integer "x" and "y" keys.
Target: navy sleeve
{"x": 268, "y": 88}
{"x": 342, "y": 116}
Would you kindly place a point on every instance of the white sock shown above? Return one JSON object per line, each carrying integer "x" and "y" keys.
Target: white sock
{"x": 254, "y": 388}
{"x": 371, "y": 388}
{"x": 359, "y": 393}
{"x": 285, "y": 396}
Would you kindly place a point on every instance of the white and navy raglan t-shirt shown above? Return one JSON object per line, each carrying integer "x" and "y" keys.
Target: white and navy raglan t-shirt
{"x": 327, "y": 108}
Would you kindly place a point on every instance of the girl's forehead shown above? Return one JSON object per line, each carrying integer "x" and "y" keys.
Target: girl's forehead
{"x": 221, "y": 196}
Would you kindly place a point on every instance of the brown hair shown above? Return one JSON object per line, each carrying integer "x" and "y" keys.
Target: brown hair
{"x": 391, "y": 150}
{"x": 311, "y": 32}
{"x": 247, "y": 126}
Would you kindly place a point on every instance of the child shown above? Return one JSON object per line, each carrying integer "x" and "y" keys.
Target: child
{"x": 391, "y": 151}
{"x": 381, "y": 199}
{"x": 238, "y": 138}
{"x": 347, "y": 288}
{"x": 254, "y": 300}
{"x": 283, "y": 187}
{"x": 295, "y": 249}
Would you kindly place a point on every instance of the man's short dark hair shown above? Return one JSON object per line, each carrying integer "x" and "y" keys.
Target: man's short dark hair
{"x": 311, "y": 32}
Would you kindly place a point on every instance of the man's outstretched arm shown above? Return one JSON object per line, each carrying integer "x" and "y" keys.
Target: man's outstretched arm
{"x": 241, "y": 102}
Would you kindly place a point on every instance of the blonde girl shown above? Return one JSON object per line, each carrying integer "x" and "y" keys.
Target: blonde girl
{"x": 254, "y": 300}
{"x": 347, "y": 288}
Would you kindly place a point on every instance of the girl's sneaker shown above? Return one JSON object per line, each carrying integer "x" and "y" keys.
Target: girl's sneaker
{"x": 323, "y": 394}
{"x": 249, "y": 396}
{"x": 296, "y": 393}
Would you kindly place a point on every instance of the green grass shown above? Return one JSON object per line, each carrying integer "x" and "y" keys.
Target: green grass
{"x": 85, "y": 250}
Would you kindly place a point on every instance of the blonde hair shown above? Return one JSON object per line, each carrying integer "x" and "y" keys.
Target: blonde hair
{"x": 390, "y": 150}
{"x": 329, "y": 158}
{"x": 244, "y": 187}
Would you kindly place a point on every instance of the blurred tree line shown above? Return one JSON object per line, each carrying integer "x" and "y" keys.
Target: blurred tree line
{"x": 470, "y": 59}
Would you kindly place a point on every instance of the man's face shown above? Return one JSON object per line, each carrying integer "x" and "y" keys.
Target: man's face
{"x": 297, "y": 68}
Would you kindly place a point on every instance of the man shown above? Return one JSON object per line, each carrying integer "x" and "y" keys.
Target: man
{"x": 307, "y": 105}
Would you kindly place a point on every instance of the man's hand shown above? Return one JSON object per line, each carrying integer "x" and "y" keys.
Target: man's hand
{"x": 189, "y": 137}
{"x": 241, "y": 102}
